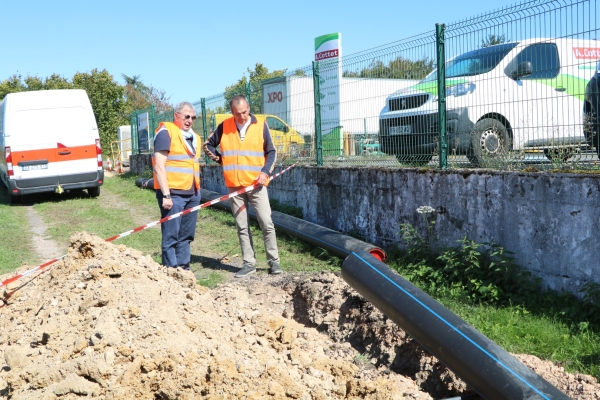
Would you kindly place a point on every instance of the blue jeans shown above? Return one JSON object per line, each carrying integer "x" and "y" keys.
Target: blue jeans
{"x": 178, "y": 233}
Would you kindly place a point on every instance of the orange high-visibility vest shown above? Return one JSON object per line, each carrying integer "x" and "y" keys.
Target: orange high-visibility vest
{"x": 242, "y": 161}
{"x": 182, "y": 166}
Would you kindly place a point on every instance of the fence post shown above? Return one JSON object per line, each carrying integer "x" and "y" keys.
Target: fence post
{"x": 441, "y": 88}
{"x": 134, "y": 134}
{"x": 204, "y": 127}
{"x": 318, "y": 137}
{"x": 153, "y": 127}
{"x": 248, "y": 93}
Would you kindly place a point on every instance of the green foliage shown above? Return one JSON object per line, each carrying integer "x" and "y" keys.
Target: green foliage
{"x": 254, "y": 79}
{"x": 486, "y": 272}
{"x": 139, "y": 96}
{"x": 492, "y": 40}
{"x": 106, "y": 97}
{"x": 399, "y": 68}
{"x": 16, "y": 84}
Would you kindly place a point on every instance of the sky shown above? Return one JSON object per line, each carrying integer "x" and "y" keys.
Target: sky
{"x": 196, "y": 49}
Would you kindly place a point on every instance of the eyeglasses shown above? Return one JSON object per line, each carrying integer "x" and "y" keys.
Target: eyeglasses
{"x": 193, "y": 117}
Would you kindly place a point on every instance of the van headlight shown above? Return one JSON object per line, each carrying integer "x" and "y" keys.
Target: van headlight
{"x": 460, "y": 89}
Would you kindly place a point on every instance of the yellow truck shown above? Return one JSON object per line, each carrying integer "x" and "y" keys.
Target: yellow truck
{"x": 285, "y": 138}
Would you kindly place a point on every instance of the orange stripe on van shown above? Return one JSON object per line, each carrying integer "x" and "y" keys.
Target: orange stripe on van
{"x": 56, "y": 154}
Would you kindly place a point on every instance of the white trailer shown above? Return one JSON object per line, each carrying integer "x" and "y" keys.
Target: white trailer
{"x": 124, "y": 138}
{"x": 292, "y": 99}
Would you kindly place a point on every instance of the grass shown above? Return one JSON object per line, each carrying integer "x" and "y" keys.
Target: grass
{"x": 123, "y": 206}
{"x": 15, "y": 240}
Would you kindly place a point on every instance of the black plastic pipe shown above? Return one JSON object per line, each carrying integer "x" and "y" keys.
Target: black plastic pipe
{"x": 486, "y": 367}
{"x": 333, "y": 241}
{"x": 145, "y": 183}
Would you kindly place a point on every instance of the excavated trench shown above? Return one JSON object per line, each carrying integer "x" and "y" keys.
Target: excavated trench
{"x": 107, "y": 322}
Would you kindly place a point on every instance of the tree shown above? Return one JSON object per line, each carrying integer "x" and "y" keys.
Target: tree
{"x": 107, "y": 100}
{"x": 399, "y": 68}
{"x": 257, "y": 75}
{"x": 16, "y": 84}
{"x": 139, "y": 96}
{"x": 492, "y": 40}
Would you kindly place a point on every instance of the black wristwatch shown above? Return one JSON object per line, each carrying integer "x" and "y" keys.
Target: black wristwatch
{"x": 167, "y": 196}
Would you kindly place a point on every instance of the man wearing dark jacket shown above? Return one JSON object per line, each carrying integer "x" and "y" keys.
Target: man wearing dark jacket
{"x": 248, "y": 157}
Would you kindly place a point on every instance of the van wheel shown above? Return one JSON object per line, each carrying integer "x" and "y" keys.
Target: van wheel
{"x": 94, "y": 191}
{"x": 490, "y": 143}
{"x": 560, "y": 154}
{"x": 414, "y": 159}
{"x": 365, "y": 152}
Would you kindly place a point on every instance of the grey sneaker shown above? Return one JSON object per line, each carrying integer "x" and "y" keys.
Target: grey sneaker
{"x": 275, "y": 268}
{"x": 246, "y": 270}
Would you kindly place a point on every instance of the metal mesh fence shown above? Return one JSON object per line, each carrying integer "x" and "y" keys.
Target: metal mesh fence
{"x": 511, "y": 95}
{"x": 515, "y": 84}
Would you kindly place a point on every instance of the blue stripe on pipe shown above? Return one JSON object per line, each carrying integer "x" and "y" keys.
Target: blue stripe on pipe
{"x": 454, "y": 328}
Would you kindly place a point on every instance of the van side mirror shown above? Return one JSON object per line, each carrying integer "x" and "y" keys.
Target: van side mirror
{"x": 285, "y": 129}
{"x": 524, "y": 69}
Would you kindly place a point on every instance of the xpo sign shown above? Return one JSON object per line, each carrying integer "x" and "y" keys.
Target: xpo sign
{"x": 274, "y": 100}
{"x": 275, "y": 97}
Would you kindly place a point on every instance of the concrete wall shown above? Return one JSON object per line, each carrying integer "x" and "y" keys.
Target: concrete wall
{"x": 548, "y": 220}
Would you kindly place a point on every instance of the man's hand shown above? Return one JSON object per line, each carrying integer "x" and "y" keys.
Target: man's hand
{"x": 167, "y": 204}
{"x": 262, "y": 178}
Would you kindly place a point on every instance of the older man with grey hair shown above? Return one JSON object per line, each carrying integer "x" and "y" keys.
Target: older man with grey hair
{"x": 176, "y": 165}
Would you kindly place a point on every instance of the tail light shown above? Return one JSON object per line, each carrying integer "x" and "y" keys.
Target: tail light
{"x": 99, "y": 153}
{"x": 9, "y": 166}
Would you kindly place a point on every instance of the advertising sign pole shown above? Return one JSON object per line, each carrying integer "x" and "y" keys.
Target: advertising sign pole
{"x": 328, "y": 53}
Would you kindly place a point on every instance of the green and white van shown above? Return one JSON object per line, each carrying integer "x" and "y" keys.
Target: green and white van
{"x": 518, "y": 96}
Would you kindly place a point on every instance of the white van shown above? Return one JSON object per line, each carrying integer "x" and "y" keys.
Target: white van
{"x": 49, "y": 142}
{"x": 517, "y": 96}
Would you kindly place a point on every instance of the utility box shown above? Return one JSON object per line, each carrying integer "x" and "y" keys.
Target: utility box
{"x": 124, "y": 138}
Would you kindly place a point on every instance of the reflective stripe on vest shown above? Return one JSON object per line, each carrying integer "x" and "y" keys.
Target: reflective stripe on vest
{"x": 242, "y": 161}
{"x": 181, "y": 165}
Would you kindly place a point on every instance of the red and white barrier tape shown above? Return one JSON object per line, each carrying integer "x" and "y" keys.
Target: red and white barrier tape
{"x": 150, "y": 225}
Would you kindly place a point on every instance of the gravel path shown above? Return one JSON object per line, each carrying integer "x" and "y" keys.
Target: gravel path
{"x": 46, "y": 248}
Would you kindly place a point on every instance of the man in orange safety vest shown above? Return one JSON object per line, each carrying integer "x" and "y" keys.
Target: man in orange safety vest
{"x": 248, "y": 156}
{"x": 176, "y": 165}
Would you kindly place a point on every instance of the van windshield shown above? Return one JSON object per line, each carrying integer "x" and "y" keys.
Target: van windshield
{"x": 474, "y": 62}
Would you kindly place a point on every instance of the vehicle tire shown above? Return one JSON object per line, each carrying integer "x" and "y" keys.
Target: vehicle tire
{"x": 416, "y": 160}
{"x": 559, "y": 154}
{"x": 94, "y": 191}
{"x": 490, "y": 143}
{"x": 591, "y": 127}
{"x": 365, "y": 152}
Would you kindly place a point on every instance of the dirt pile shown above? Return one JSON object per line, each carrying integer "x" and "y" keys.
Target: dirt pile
{"x": 107, "y": 322}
